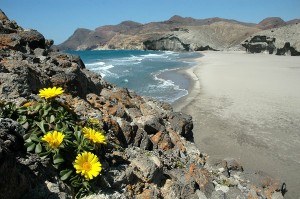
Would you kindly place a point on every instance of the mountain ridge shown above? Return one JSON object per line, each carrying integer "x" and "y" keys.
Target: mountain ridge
{"x": 177, "y": 33}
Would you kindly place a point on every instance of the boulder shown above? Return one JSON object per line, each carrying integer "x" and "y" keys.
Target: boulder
{"x": 161, "y": 140}
{"x": 152, "y": 124}
{"x": 147, "y": 168}
{"x": 142, "y": 140}
{"x": 11, "y": 41}
{"x": 33, "y": 39}
{"x": 181, "y": 124}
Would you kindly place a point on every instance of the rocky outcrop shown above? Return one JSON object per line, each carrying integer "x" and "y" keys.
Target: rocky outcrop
{"x": 259, "y": 44}
{"x": 149, "y": 152}
{"x": 166, "y": 43}
{"x": 279, "y": 41}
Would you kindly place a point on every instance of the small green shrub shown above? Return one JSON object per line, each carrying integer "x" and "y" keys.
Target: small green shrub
{"x": 54, "y": 131}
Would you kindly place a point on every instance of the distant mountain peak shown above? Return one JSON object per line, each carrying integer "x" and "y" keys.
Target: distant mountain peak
{"x": 130, "y": 23}
{"x": 278, "y": 19}
{"x": 271, "y": 22}
{"x": 180, "y": 19}
{"x": 176, "y": 18}
{"x": 82, "y": 29}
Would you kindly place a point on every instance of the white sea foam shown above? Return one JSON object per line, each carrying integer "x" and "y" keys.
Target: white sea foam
{"x": 170, "y": 53}
{"x": 155, "y": 55}
{"x": 132, "y": 60}
{"x": 167, "y": 85}
{"x": 135, "y": 58}
{"x": 96, "y": 64}
{"x": 102, "y": 68}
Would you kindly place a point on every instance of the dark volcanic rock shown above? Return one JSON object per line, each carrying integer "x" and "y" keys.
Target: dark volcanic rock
{"x": 11, "y": 142}
{"x": 259, "y": 44}
{"x": 288, "y": 50}
{"x": 280, "y": 41}
{"x": 204, "y": 48}
{"x": 166, "y": 43}
{"x": 33, "y": 39}
{"x": 182, "y": 124}
{"x": 18, "y": 171}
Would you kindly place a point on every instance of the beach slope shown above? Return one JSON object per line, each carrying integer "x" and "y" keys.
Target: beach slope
{"x": 247, "y": 106}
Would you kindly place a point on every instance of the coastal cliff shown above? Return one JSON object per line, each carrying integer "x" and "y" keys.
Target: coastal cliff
{"x": 151, "y": 152}
{"x": 178, "y": 34}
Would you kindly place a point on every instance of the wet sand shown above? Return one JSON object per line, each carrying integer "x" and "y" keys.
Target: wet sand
{"x": 247, "y": 106}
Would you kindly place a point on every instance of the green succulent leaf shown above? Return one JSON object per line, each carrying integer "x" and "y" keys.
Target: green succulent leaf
{"x": 65, "y": 174}
{"x": 31, "y": 146}
{"x": 34, "y": 137}
{"x": 41, "y": 126}
{"x": 52, "y": 119}
{"x": 77, "y": 135}
{"x": 44, "y": 154}
{"x": 37, "y": 107}
{"x": 25, "y": 125}
{"x": 57, "y": 159}
{"x": 46, "y": 111}
{"x": 38, "y": 148}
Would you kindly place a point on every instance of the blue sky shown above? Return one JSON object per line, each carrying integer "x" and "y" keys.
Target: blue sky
{"x": 57, "y": 19}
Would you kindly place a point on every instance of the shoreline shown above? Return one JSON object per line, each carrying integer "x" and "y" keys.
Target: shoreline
{"x": 193, "y": 87}
{"x": 224, "y": 126}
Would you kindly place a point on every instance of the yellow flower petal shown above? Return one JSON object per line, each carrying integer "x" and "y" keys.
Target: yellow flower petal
{"x": 87, "y": 164}
{"x": 28, "y": 104}
{"x": 54, "y": 139}
{"x": 48, "y": 93}
{"x": 94, "y": 136}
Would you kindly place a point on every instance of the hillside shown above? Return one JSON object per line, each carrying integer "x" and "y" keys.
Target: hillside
{"x": 177, "y": 33}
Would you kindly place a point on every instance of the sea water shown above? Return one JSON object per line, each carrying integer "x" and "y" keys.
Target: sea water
{"x": 148, "y": 73}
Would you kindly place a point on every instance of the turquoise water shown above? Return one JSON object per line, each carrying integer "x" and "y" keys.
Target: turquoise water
{"x": 148, "y": 73}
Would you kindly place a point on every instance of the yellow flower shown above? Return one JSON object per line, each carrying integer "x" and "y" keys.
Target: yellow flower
{"x": 27, "y": 104}
{"x": 50, "y": 92}
{"x": 94, "y": 136}
{"x": 88, "y": 165}
{"x": 54, "y": 139}
{"x": 93, "y": 121}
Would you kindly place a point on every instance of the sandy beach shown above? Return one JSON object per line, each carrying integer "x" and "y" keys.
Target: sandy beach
{"x": 247, "y": 107}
